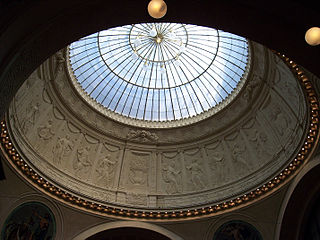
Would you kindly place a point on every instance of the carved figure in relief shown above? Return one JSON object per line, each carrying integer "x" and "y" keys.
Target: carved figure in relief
{"x": 171, "y": 176}
{"x": 82, "y": 164}
{"x": 60, "y": 61}
{"x": 196, "y": 171}
{"x": 32, "y": 114}
{"x": 138, "y": 171}
{"x": 239, "y": 159}
{"x": 63, "y": 147}
{"x": 252, "y": 84}
{"x": 105, "y": 170}
{"x": 281, "y": 122}
{"x": 45, "y": 132}
{"x": 288, "y": 85}
{"x": 260, "y": 141}
{"x": 217, "y": 165}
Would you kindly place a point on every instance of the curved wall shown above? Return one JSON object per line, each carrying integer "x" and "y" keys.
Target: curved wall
{"x": 91, "y": 156}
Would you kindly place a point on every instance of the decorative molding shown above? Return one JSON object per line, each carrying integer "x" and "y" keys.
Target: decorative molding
{"x": 142, "y": 136}
{"x": 158, "y": 124}
{"x": 303, "y": 154}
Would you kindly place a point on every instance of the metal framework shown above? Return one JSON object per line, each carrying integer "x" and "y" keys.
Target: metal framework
{"x": 159, "y": 71}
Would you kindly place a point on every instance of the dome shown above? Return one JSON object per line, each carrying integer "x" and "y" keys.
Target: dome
{"x": 159, "y": 72}
{"x": 77, "y": 147}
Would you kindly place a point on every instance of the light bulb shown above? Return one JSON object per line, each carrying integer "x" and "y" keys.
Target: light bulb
{"x": 313, "y": 36}
{"x": 157, "y": 8}
{"x": 158, "y": 40}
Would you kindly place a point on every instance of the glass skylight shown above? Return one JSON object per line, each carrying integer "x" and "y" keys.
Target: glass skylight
{"x": 159, "y": 71}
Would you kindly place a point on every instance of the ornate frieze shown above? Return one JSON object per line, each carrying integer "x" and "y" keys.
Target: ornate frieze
{"x": 99, "y": 164}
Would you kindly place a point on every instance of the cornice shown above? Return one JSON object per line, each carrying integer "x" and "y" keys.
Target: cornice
{"x": 287, "y": 173}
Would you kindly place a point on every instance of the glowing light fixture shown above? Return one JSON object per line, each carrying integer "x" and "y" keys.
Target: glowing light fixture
{"x": 157, "y": 8}
{"x": 313, "y": 36}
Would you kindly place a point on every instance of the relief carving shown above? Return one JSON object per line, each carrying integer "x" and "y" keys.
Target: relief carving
{"x": 105, "y": 170}
{"x": 238, "y": 158}
{"x": 62, "y": 149}
{"x": 82, "y": 163}
{"x": 172, "y": 177}
{"x": 260, "y": 142}
{"x": 138, "y": 174}
{"x": 24, "y": 92}
{"x": 251, "y": 85}
{"x": 32, "y": 115}
{"x": 217, "y": 162}
{"x": 144, "y": 167}
{"x": 281, "y": 122}
{"x": 46, "y": 97}
{"x": 142, "y": 136}
{"x": 195, "y": 171}
{"x": 288, "y": 87}
{"x": 137, "y": 199}
{"x": 45, "y": 132}
{"x": 60, "y": 60}
{"x": 101, "y": 196}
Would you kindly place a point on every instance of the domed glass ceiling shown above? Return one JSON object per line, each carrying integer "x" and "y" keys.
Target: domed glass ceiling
{"x": 159, "y": 71}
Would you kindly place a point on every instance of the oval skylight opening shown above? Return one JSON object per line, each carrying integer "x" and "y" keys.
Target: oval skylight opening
{"x": 159, "y": 72}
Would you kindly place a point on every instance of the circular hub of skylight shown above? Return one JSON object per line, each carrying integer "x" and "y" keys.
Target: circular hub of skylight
{"x": 161, "y": 74}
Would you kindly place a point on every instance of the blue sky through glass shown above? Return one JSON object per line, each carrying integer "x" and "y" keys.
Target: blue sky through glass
{"x": 159, "y": 71}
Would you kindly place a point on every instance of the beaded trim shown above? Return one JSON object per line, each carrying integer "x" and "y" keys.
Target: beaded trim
{"x": 275, "y": 183}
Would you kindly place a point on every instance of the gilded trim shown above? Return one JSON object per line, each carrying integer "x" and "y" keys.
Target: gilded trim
{"x": 272, "y": 185}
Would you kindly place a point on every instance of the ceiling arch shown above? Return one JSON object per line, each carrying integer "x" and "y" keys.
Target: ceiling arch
{"x": 32, "y": 31}
{"x": 127, "y": 224}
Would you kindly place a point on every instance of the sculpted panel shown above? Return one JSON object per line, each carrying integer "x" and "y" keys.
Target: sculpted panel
{"x": 142, "y": 136}
{"x": 218, "y": 164}
{"x": 135, "y": 171}
{"x": 46, "y": 132}
{"x": 137, "y": 199}
{"x": 171, "y": 172}
{"x": 258, "y": 142}
{"x": 84, "y": 158}
{"x": 106, "y": 166}
{"x": 194, "y": 167}
{"x": 62, "y": 149}
{"x": 59, "y": 62}
{"x": 282, "y": 120}
{"x": 288, "y": 88}
{"x": 242, "y": 164}
{"x": 250, "y": 87}
{"x": 279, "y": 116}
{"x": 138, "y": 169}
{"x": 63, "y": 146}
{"x": 32, "y": 115}
{"x": 210, "y": 161}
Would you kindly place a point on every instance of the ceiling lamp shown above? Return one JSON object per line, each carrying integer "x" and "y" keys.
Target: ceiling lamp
{"x": 157, "y": 8}
{"x": 313, "y": 36}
